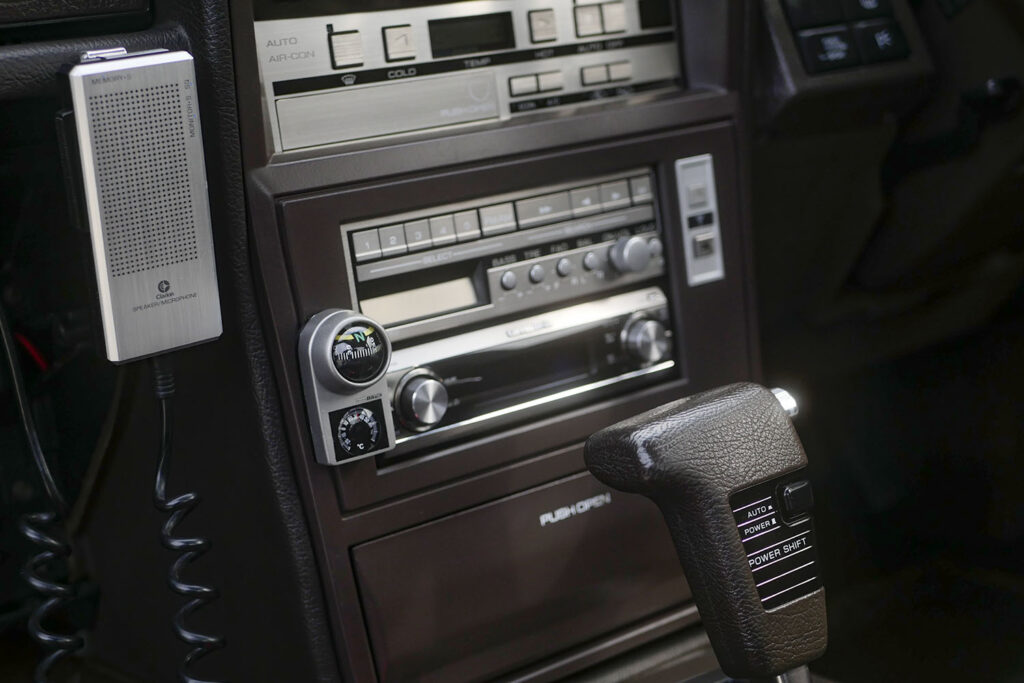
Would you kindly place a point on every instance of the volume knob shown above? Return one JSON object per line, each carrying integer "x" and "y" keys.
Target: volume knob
{"x": 630, "y": 254}
{"x": 646, "y": 340}
{"x": 422, "y": 402}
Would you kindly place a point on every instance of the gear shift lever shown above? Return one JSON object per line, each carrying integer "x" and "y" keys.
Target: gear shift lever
{"x": 727, "y": 471}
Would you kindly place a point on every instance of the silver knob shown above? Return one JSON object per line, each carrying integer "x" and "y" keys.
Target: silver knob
{"x": 646, "y": 340}
{"x": 423, "y": 402}
{"x": 630, "y": 254}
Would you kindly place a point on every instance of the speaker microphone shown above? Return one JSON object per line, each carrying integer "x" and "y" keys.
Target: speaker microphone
{"x": 142, "y": 180}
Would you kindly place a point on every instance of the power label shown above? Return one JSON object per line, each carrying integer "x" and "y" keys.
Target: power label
{"x": 779, "y": 541}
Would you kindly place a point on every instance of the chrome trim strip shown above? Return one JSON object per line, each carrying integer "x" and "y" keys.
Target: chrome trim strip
{"x": 520, "y": 330}
{"x": 544, "y": 400}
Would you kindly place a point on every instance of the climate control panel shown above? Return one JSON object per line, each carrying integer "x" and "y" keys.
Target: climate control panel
{"x": 360, "y": 75}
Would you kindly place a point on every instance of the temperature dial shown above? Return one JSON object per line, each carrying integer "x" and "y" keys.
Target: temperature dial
{"x": 358, "y": 431}
{"x": 422, "y": 401}
{"x": 645, "y": 340}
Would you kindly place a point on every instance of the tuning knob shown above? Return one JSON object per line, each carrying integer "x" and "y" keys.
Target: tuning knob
{"x": 630, "y": 254}
{"x": 646, "y": 340}
{"x": 422, "y": 401}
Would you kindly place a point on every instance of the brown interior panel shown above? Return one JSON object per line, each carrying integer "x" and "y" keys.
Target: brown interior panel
{"x": 478, "y": 593}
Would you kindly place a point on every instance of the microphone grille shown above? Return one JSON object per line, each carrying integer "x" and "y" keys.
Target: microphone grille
{"x": 143, "y": 177}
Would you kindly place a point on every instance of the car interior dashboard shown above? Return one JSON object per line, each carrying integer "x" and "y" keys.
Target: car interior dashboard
{"x": 414, "y": 340}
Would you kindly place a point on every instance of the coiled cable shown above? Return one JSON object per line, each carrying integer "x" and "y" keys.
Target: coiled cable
{"x": 45, "y": 530}
{"x": 191, "y": 548}
{"x": 41, "y": 528}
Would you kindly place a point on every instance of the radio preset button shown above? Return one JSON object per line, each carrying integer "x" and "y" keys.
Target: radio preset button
{"x": 541, "y": 210}
{"x": 588, "y": 21}
{"x": 615, "y": 195}
{"x": 594, "y": 75}
{"x": 467, "y": 226}
{"x": 543, "y": 28}
{"x": 620, "y": 71}
{"x": 522, "y": 85}
{"x": 399, "y": 43}
{"x": 442, "y": 230}
{"x": 417, "y": 235}
{"x": 537, "y": 274}
{"x": 591, "y": 261}
{"x": 585, "y": 201}
{"x": 552, "y": 80}
{"x": 366, "y": 245}
{"x": 392, "y": 240}
{"x": 640, "y": 188}
{"x": 563, "y": 267}
{"x": 614, "y": 15}
{"x": 497, "y": 219}
{"x": 509, "y": 280}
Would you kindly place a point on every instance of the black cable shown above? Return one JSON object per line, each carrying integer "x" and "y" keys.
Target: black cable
{"x": 191, "y": 547}
{"x": 45, "y": 530}
{"x": 27, "y": 420}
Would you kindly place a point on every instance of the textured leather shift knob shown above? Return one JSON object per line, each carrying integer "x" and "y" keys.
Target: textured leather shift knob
{"x": 726, "y": 469}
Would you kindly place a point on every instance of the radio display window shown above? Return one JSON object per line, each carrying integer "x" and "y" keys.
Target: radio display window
{"x": 467, "y": 35}
{"x": 421, "y": 302}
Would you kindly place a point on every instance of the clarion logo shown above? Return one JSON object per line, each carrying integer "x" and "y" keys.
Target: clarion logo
{"x": 564, "y": 513}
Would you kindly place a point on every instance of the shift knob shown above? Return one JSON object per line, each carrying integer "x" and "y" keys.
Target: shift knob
{"x": 726, "y": 468}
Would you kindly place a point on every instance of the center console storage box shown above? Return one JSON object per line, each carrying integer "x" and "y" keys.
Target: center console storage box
{"x": 478, "y": 593}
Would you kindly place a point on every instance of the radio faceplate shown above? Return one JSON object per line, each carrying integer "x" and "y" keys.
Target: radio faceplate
{"x": 424, "y": 272}
{"x": 507, "y": 373}
{"x": 516, "y": 305}
{"x": 347, "y": 77}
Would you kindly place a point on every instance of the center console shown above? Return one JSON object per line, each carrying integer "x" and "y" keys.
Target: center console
{"x": 532, "y": 214}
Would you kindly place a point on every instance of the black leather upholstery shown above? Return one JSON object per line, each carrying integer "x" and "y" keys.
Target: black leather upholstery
{"x": 688, "y": 457}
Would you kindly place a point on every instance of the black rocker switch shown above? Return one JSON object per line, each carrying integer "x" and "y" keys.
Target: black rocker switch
{"x": 797, "y": 499}
{"x": 714, "y": 464}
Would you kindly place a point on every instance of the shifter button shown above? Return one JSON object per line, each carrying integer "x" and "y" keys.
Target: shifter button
{"x": 797, "y": 499}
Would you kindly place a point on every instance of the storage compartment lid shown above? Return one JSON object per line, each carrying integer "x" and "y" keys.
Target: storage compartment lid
{"x": 499, "y": 586}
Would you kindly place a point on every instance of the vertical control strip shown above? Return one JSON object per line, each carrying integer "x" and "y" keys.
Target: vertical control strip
{"x": 344, "y": 358}
{"x": 698, "y": 207}
{"x": 777, "y": 532}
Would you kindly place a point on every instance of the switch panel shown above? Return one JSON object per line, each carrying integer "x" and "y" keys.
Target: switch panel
{"x": 698, "y": 207}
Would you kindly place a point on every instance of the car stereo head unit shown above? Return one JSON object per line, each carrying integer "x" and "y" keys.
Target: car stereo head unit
{"x": 338, "y": 72}
{"x": 511, "y": 307}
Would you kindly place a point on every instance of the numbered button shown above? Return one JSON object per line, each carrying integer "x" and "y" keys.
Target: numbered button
{"x": 417, "y": 235}
{"x": 392, "y": 240}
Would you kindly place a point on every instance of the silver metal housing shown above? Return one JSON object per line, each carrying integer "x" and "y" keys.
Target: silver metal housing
{"x": 327, "y": 392}
{"x": 148, "y": 213}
